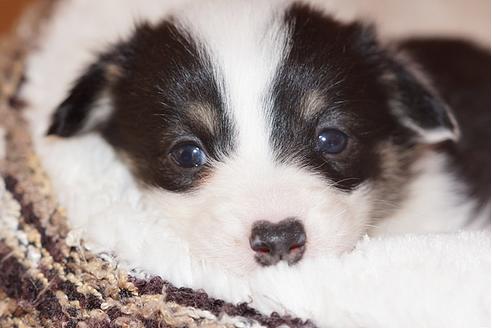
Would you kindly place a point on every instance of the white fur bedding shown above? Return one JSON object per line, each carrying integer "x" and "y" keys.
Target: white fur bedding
{"x": 407, "y": 281}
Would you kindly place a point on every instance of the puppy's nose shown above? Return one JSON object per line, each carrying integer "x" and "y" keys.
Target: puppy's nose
{"x": 274, "y": 242}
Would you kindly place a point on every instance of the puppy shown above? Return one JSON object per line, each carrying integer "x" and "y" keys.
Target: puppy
{"x": 280, "y": 134}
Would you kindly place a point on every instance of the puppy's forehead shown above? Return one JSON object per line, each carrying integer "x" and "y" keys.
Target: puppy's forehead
{"x": 246, "y": 41}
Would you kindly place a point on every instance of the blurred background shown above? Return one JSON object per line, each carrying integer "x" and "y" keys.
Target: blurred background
{"x": 9, "y": 13}
{"x": 394, "y": 18}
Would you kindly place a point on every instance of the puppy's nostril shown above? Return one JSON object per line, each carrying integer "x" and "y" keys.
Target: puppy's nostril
{"x": 295, "y": 247}
{"x": 274, "y": 242}
{"x": 261, "y": 249}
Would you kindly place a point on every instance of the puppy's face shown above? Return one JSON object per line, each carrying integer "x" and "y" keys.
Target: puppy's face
{"x": 263, "y": 136}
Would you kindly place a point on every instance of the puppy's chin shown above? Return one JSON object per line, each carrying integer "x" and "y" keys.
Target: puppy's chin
{"x": 215, "y": 221}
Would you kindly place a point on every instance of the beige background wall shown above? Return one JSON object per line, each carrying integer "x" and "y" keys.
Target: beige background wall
{"x": 10, "y": 11}
{"x": 395, "y": 18}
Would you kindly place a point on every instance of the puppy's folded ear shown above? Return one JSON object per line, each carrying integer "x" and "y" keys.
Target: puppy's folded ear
{"x": 418, "y": 107}
{"x": 86, "y": 105}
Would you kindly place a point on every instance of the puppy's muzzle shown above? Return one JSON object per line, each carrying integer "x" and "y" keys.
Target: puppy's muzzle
{"x": 274, "y": 242}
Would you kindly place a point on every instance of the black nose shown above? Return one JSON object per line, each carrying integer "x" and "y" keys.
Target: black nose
{"x": 274, "y": 242}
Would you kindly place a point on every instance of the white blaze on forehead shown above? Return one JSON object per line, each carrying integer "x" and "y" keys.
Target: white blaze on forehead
{"x": 246, "y": 41}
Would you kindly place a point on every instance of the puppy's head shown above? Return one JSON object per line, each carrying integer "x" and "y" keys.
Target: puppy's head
{"x": 264, "y": 135}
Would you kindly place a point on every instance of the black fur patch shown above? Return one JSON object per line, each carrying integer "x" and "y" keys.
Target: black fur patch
{"x": 342, "y": 64}
{"x": 166, "y": 76}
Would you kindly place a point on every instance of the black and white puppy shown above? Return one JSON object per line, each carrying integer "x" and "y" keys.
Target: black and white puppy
{"x": 282, "y": 134}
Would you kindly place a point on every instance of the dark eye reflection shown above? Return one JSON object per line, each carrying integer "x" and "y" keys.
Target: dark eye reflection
{"x": 188, "y": 156}
{"x": 331, "y": 141}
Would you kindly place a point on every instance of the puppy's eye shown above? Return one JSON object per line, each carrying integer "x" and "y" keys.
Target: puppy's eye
{"x": 331, "y": 141}
{"x": 188, "y": 155}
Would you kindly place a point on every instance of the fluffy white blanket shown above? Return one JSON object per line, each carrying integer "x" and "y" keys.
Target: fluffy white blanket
{"x": 408, "y": 281}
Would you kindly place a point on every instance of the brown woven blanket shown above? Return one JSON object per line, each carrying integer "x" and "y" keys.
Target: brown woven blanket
{"x": 46, "y": 283}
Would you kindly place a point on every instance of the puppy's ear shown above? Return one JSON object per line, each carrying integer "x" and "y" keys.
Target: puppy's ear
{"x": 85, "y": 108}
{"x": 419, "y": 108}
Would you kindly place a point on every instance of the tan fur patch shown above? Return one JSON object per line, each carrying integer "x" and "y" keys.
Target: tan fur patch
{"x": 312, "y": 103}
{"x": 204, "y": 115}
{"x": 113, "y": 72}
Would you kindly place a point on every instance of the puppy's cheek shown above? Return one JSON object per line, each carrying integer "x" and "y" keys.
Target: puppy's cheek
{"x": 338, "y": 223}
{"x": 219, "y": 245}
{"x": 205, "y": 221}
